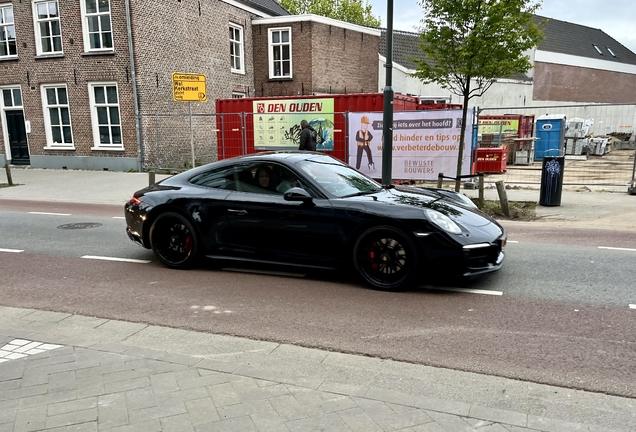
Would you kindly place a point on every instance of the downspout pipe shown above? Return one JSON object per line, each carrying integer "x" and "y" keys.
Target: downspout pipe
{"x": 133, "y": 73}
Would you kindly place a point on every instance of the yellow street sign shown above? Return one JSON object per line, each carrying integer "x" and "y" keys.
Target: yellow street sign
{"x": 187, "y": 87}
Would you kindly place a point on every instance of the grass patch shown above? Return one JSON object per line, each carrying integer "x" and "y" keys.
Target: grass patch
{"x": 519, "y": 210}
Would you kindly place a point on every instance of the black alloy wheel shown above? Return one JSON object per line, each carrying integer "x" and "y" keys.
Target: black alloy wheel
{"x": 385, "y": 258}
{"x": 174, "y": 241}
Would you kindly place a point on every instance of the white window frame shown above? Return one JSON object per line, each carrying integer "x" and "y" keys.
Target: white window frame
{"x": 270, "y": 51}
{"x": 48, "y": 126}
{"x": 97, "y": 144}
{"x": 13, "y": 104}
{"x": 241, "y": 46}
{"x": 3, "y": 29}
{"x": 36, "y": 27}
{"x": 85, "y": 28}
{"x": 238, "y": 95}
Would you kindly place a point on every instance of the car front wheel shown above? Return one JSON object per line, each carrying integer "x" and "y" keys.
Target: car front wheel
{"x": 385, "y": 258}
{"x": 173, "y": 240}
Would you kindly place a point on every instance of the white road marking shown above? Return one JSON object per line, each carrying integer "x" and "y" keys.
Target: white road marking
{"x": 50, "y": 214}
{"x": 632, "y": 306}
{"x": 119, "y": 217}
{"x": 512, "y": 241}
{"x": 93, "y": 257}
{"x": 11, "y": 250}
{"x": 614, "y": 248}
{"x": 273, "y": 273}
{"x": 471, "y": 291}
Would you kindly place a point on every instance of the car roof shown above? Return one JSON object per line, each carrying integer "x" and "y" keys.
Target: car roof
{"x": 290, "y": 157}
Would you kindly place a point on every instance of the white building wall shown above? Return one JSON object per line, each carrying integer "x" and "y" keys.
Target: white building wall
{"x": 511, "y": 93}
{"x": 502, "y": 93}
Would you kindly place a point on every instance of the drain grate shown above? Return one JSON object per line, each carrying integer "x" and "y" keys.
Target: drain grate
{"x": 80, "y": 225}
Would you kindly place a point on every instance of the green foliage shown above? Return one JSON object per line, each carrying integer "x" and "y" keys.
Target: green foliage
{"x": 475, "y": 39}
{"x": 352, "y": 11}
{"x": 468, "y": 44}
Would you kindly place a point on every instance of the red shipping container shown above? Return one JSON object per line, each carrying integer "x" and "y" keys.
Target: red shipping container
{"x": 491, "y": 160}
{"x": 235, "y": 117}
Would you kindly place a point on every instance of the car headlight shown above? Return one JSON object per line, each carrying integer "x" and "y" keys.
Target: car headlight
{"x": 442, "y": 221}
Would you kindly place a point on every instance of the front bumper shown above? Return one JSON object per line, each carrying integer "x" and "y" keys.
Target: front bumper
{"x": 487, "y": 267}
{"x": 444, "y": 256}
{"x": 484, "y": 258}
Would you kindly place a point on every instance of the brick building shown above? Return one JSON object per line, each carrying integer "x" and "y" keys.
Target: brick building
{"x": 67, "y": 74}
{"x": 318, "y": 55}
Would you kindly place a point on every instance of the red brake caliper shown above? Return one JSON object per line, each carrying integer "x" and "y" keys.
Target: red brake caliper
{"x": 374, "y": 264}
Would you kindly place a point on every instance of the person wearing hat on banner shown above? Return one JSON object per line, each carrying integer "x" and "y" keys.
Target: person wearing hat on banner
{"x": 363, "y": 139}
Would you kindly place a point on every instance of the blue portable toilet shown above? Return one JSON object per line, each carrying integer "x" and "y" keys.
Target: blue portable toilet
{"x": 550, "y": 136}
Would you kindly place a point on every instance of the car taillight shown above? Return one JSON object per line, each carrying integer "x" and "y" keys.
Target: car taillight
{"x": 134, "y": 201}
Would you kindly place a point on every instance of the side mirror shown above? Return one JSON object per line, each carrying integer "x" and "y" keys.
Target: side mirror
{"x": 297, "y": 194}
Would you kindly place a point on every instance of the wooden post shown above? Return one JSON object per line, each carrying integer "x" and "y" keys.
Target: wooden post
{"x": 440, "y": 179}
{"x": 481, "y": 190}
{"x": 503, "y": 197}
{"x": 9, "y": 178}
{"x": 151, "y": 178}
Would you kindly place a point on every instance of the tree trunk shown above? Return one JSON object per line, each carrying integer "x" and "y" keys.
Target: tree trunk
{"x": 462, "y": 136}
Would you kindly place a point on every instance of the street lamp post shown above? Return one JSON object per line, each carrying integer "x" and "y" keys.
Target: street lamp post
{"x": 387, "y": 119}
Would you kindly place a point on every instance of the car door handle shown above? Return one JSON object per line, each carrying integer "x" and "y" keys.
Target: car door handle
{"x": 238, "y": 212}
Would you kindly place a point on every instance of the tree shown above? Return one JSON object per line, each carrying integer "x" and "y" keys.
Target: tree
{"x": 468, "y": 44}
{"x": 353, "y": 11}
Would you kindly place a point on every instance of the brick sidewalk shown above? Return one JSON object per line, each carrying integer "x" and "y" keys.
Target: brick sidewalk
{"x": 118, "y": 388}
{"x": 50, "y": 382}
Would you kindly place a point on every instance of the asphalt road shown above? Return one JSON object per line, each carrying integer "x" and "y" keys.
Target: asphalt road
{"x": 557, "y": 313}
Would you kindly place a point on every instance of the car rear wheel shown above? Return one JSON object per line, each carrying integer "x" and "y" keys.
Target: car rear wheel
{"x": 173, "y": 240}
{"x": 385, "y": 258}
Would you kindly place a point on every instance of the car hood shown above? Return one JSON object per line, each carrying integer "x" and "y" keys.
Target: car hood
{"x": 428, "y": 199}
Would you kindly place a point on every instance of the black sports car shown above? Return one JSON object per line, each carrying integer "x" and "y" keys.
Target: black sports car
{"x": 311, "y": 210}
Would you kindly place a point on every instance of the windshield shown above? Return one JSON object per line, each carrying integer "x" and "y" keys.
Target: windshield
{"x": 338, "y": 179}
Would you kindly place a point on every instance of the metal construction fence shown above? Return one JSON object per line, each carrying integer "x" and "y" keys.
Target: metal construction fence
{"x": 176, "y": 142}
{"x": 613, "y": 165}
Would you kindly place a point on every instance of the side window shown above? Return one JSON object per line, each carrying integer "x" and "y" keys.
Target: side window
{"x": 268, "y": 179}
{"x": 222, "y": 178}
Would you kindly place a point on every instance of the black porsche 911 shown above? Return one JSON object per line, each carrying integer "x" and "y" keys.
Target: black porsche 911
{"x": 311, "y": 210}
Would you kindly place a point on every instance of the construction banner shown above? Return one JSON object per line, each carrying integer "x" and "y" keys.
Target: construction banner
{"x": 425, "y": 143}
